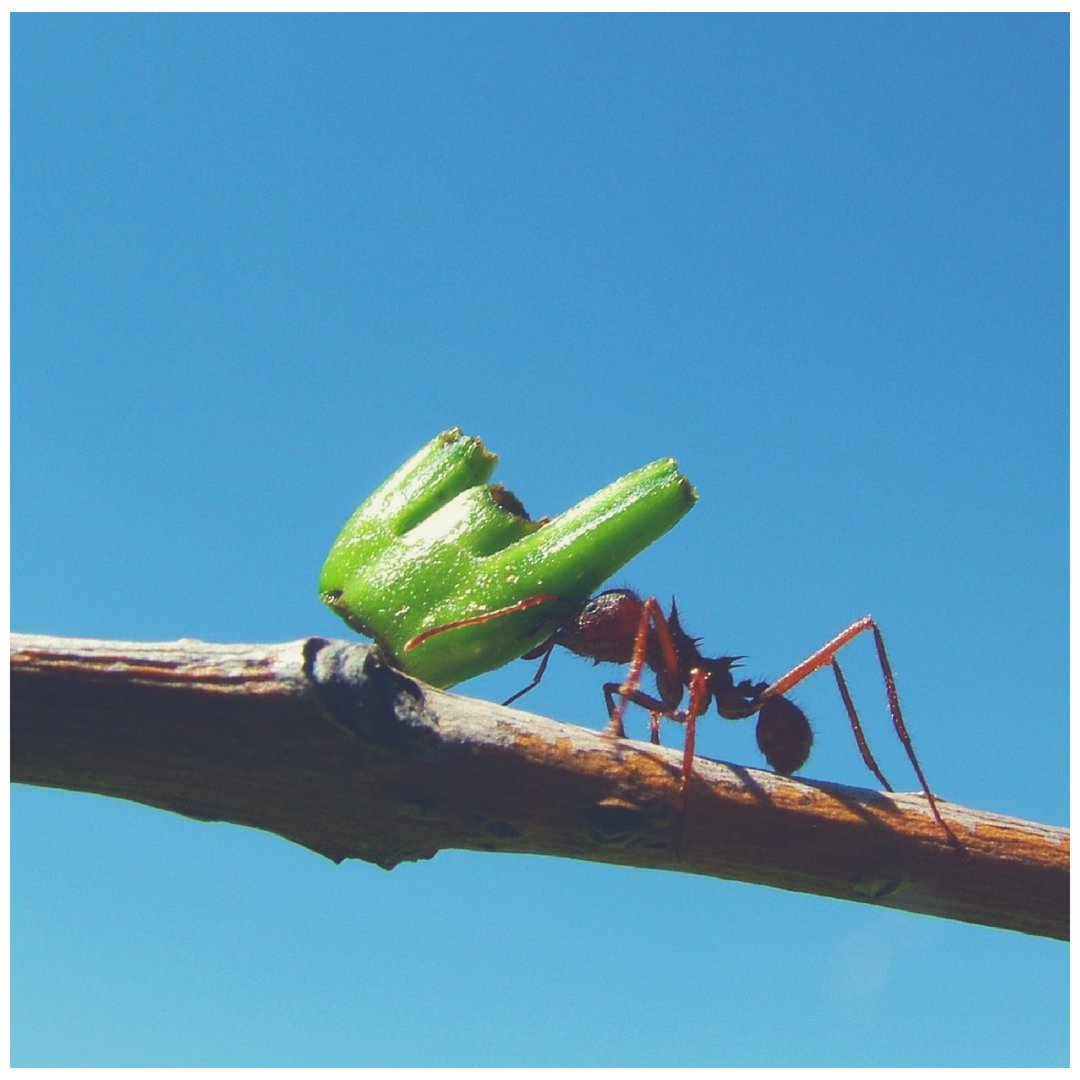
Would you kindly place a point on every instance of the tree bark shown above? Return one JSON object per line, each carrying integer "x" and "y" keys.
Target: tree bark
{"x": 322, "y": 743}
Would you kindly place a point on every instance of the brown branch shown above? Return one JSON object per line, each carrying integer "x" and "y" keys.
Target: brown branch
{"x": 322, "y": 743}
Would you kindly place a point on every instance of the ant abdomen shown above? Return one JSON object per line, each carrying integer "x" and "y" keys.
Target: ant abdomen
{"x": 783, "y": 734}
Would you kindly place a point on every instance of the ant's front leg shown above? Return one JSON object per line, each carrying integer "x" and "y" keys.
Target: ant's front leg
{"x": 651, "y": 615}
{"x": 655, "y": 706}
{"x": 544, "y": 650}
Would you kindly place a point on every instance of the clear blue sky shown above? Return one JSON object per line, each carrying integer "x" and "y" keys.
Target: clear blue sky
{"x": 822, "y": 261}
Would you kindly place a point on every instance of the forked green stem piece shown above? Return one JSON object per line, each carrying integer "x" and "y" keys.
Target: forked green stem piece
{"x": 436, "y": 546}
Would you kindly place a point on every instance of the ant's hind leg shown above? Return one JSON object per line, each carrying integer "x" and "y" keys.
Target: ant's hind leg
{"x": 856, "y": 727}
{"x": 826, "y": 655}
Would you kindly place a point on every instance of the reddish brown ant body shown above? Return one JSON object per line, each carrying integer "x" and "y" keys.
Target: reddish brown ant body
{"x": 618, "y": 626}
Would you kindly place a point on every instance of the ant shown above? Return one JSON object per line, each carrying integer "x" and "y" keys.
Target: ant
{"x": 618, "y": 626}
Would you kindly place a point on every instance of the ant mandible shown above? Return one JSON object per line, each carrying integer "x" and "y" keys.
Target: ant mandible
{"x": 618, "y": 626}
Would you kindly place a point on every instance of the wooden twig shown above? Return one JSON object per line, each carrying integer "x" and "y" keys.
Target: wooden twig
{"x": 324, "y": 744}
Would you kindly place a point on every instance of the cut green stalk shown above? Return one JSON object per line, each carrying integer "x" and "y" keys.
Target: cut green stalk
{"x": 435, "y": 546}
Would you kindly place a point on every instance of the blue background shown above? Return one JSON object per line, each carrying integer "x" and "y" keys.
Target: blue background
{"x": 822, "y": 261}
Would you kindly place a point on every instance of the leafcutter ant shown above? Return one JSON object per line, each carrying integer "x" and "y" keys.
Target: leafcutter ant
{"x": 618, "y": 626}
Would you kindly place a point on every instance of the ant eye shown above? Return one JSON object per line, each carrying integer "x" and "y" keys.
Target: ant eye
{"x": 784, "y": 735}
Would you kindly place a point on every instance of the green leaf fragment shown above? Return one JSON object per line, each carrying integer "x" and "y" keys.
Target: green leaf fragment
{"x": 435, "y": 545}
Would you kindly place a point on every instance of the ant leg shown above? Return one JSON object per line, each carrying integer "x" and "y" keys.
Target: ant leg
{"x": 546, "y": 656}
{"x": 699, "y": 697}
{"x": 898, "y": 721}
{"x": 825, "y": 655}
{"x": 818, "y": 659}
{"x": 856, "y": 727}
{"x": 699, "y": 694}
{"x": 651, "y": 613}
{"x": 699, "y": 688}
{"x": 655, "y": 706}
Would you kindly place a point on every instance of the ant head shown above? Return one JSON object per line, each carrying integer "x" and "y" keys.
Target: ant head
{"x": 784, "y": 735}
{"x": 604, "y": 628}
